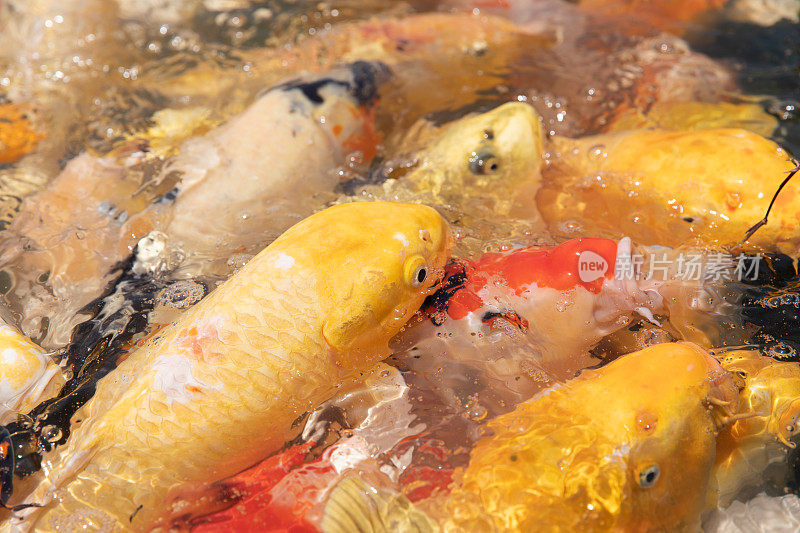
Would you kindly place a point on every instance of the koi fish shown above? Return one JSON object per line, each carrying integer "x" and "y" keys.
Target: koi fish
{"x": 219, "y": 389}
{"x": 493, "y": 158}
{"x": 529, "y": 315}
{"x": 729, "y": 179}
{"x": 768, "y": 427}
{"x": 618, "y": 448}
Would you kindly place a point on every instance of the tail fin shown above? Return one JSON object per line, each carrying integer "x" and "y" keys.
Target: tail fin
{"x": 356, "y": 506}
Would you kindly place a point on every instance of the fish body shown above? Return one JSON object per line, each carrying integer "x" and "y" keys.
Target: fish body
{"x": 529, "y": 315}
{"x": 710, "y": 186}
{"x": 233, "y": 372}
{"x": 770, "y": 414}
{"x": 254, "y": 172}
{"x": 678, "y": 116}
{"x": 289, "y": 490}
{"x": 616, "y": 449}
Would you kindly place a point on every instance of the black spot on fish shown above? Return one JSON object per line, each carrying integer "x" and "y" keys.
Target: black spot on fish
{"x": 170, "y": 196}
{"x": 134, "y": 513}
{"x": 436, "y": 305}
{"x": 490, "y": 318}
{"x": 366, "y": 76}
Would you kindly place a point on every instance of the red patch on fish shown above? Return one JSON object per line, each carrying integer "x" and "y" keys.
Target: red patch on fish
{"x": 585, "y": 263}
{"x": 423, "y": 482}
{"x": 253, "y": 509}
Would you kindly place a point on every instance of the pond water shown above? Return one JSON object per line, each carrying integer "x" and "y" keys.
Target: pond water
{"x": 598, "y": 165}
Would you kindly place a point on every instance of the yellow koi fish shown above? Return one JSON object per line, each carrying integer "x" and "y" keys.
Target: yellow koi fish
{"x": 219, "y": 389}
{"x": 770, "y": 413}
{"x": 497, "y": 154}
{"x": 708, "y": 185}
{"x": 628, "y": 447}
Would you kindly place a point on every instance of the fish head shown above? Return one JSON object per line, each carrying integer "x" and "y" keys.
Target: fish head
{"x": 626, "y": 447}
{"x": 664, "y": 406}
{"x": 499, "y": 151}
{"x": 375, "y": 263}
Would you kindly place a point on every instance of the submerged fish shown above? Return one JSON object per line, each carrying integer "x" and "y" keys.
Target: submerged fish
{"x": 218, "y": 390}
{"x": 697, "y": 115}
{"x": 768, "y": 428}
{"x": 708, "y": 185}
{"x": 493, "y": 157}
{"x": 619, "y": 448}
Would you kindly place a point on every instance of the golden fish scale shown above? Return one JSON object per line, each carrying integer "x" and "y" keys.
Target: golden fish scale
{"x": 499, "y": 475}
{"x": 572, "y": 457}
{"x": 270, "y": 367}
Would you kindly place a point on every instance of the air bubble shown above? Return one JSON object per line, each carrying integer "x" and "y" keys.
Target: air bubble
{"x": 782, "y": 351}
{"x": 52, "y": 433}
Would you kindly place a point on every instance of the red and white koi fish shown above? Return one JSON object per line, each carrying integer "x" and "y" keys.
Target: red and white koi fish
{"x": 553, "y": 302}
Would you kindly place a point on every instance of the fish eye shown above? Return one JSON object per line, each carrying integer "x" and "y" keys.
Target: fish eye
{"x": 421, "y": 275}
{"x": 483, "y": 163}
{"x": 648, "y": 476}
{"x": 416, "y": 271}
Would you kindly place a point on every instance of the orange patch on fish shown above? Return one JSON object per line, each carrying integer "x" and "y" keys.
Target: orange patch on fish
{"x": 252, "y": 508}
{"x": 17, "y": 136}
{"x": 576, "y": 263}
{"x": 195, "y": 340}
{"x": 365, "y": 140}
